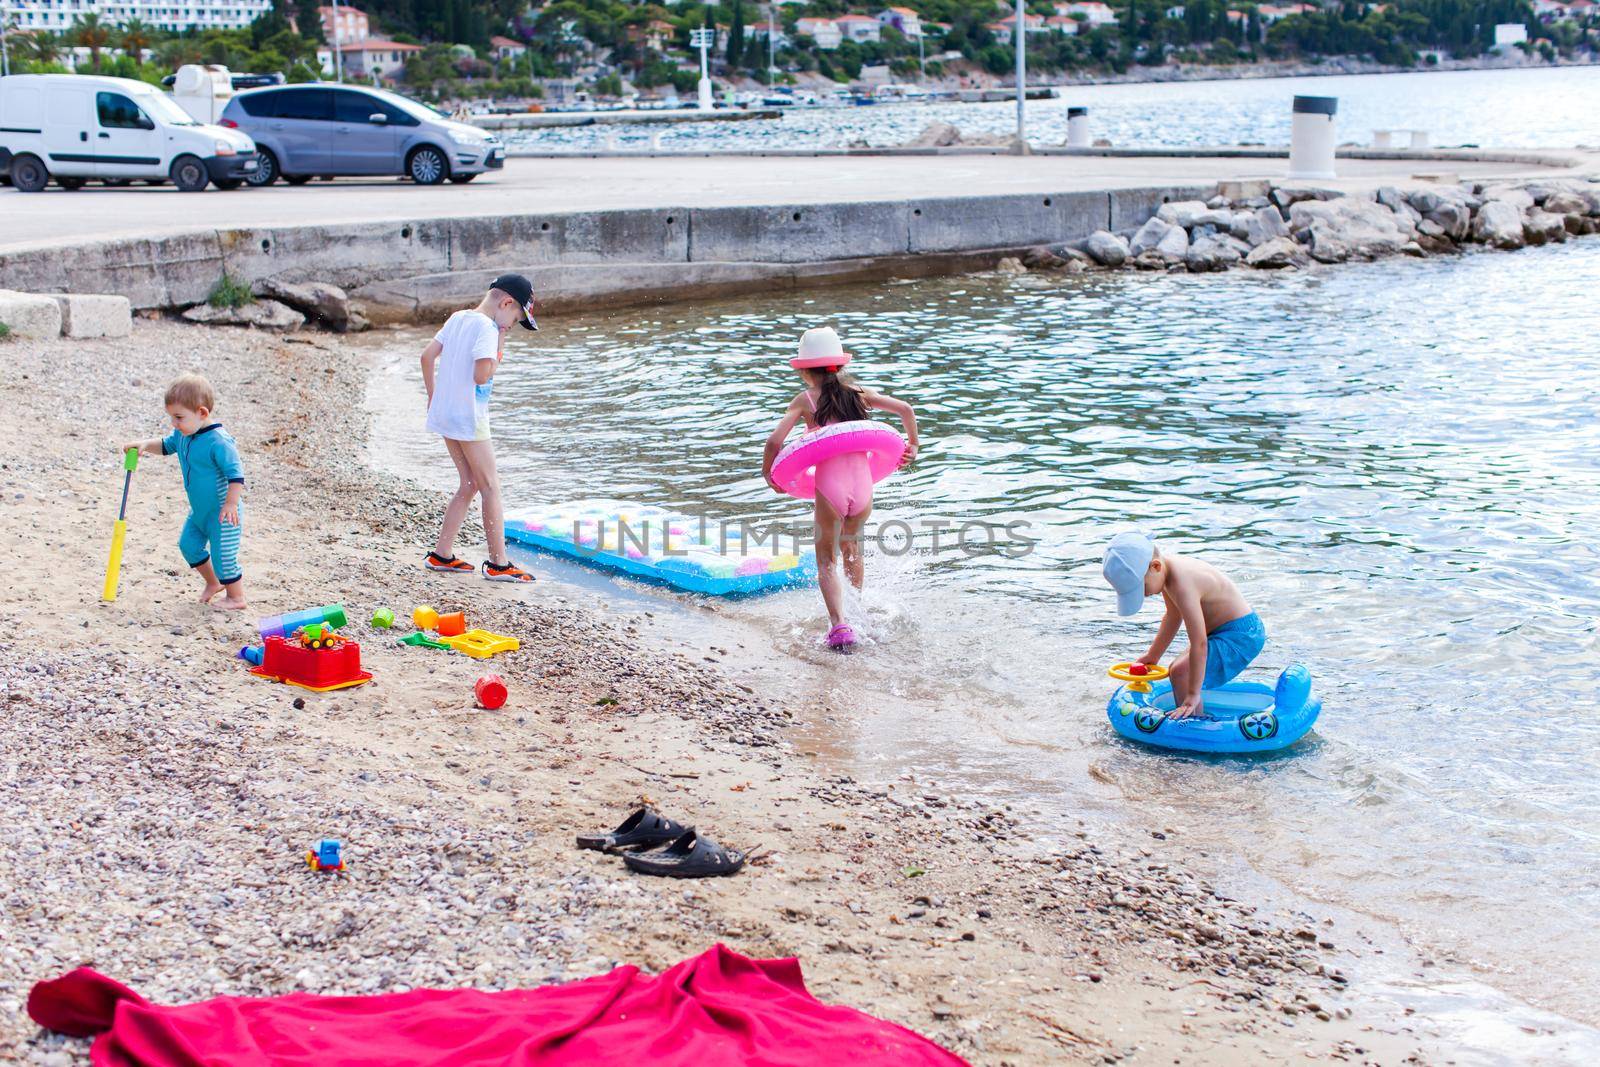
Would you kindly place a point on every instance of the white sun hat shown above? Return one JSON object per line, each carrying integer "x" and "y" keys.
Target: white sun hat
{"x": 820, "y": 347}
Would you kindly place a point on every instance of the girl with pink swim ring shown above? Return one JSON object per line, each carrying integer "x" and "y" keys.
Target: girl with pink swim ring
{"x": 843, "y": 481}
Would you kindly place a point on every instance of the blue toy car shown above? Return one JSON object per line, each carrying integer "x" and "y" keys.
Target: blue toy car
{"x": 325, "y": 857}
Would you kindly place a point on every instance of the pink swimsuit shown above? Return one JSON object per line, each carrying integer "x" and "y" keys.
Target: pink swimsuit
{"x": 845, "y": 481}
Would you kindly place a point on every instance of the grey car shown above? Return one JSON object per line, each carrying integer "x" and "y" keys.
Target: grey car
{"x": 308, "y": 131}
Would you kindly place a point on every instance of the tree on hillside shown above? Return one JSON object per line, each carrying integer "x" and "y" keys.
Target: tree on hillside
{"x": 308, "y": 20}
{"x": 736, "y": 36}
{"x": 88, "y": 32}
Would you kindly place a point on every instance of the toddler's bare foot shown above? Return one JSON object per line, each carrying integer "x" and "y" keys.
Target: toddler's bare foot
{"x": 211, "y": 590}
{"x": 229, "y": 603}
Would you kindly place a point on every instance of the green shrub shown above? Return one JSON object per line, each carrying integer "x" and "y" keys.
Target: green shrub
{"x": 5, "y": 332}
{"x": 228, "y": 293}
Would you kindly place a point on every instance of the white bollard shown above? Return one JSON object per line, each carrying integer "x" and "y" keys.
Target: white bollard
{"x": 1382, "y": 138}
{"x": 1419, "y": 140}
{"x": 1078, "y": 127}
{"x": 1312, "y": 140}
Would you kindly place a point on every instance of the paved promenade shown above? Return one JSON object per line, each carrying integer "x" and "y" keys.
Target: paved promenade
{"x": 538, "y": 186}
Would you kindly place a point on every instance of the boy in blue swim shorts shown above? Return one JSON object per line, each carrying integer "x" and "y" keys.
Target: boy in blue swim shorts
{"x": 1225, "y": 636}
{"x": 213, "y": 480}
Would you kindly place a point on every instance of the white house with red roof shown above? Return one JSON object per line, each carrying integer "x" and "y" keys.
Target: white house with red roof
{"x": 504, "y": 48}
{"x": 1007, "y": 27}
{"x": 1063, "y": 25}
{"x": 344, "y": 24}
{"x": 825, "y": 32}
{"x": 859, "y": 28}
{"x": 376, "y": 57}
{"x": 1093, "y": 12}
{"x": 907, "y": 21}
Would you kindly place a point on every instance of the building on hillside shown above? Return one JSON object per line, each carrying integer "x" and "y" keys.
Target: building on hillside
{"x": 504, "y": 48}
{"x": 344, "y": 24}
{"x": 1006, "y": 28}
{"x": 1063, "y": 25}
{"x": 1236, "y": 16}
{"x": 1270, "y": 13}
{"x": 907, "y": 21}
{"x": 1549, "y": 10}
{"x": 825, "y": 32}
{"x": 1508, "y": 35}
{"x": 1176, "y": 12}
{"x": 1093, "y": 12}
{"x": 59, "y": 15}
{"x": 374, "y": 57}
{"x": 859, "y": 28}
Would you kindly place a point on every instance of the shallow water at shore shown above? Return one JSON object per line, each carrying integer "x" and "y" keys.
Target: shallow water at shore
{"x": 1396, "y": 462}
{"x": 1537, "y": 108}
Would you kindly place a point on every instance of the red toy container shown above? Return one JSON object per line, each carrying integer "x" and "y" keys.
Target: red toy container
{"x": 452, "y": 624}
{"x": 317, "y": 669}
{"x": 491, "y": 691}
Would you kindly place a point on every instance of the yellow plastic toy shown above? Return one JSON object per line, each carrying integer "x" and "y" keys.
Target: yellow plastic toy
{"x": 1140, "y": 682}
{"x": 425, "y": 618}
{"x": 119, "y": 530}
{"x": 481, "y": 644}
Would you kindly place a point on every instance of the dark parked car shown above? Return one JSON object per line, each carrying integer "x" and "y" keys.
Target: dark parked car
{"x": 307, "y": 131}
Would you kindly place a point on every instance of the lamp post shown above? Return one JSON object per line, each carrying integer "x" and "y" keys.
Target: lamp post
{"x": 338, "y": 54}
{"x": 1022, "y": 75}
{"x": 772, "y": 47}
{"x": 704, "y": 38}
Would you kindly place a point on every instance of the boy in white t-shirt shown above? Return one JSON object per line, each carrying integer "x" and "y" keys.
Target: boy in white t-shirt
{"x": 458, "y": 368}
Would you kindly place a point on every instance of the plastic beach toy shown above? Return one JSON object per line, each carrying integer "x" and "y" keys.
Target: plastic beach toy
{"x": 288, "y": 623}
{"x": 795, "y": 469}
{"x": 692, "y": 553}
{"x": 1237, "y": 717}
{"x": 490, "y": 691}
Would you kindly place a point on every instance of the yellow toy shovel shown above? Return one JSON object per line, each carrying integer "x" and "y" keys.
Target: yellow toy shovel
{"x": 114, "y": 565}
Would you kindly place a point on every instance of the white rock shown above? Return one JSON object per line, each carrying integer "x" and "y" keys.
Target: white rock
{"x": 1149, "y": 235}
{"x": 1366, "y": 228}
{"x": 1543, "y": 227}
{"x": 30, "y": 315}
{"x": 1183, "y": 213}
{"x": 1500, "y": 224}
{"x": 1107, "y": 248}
{"x": 1174, "y": 243}
{"x": 1510, "y": 194}
{"x": 1453, "y": 219}
{"x": 1215, "y": 252}
{"x": 1326, "y": 243}
{"x": 1265, "y": 224}
{"x": 1277, "y": 253}
{"x": 1565, "y": 203}
{"x": 86, "y": 315}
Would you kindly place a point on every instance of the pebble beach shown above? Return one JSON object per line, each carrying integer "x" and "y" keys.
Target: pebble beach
{"x": 156, "y": 800}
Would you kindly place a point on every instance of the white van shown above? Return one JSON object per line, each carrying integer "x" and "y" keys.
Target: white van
{"x": 77, "y": 127}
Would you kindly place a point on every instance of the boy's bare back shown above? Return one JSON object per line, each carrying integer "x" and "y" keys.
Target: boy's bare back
{"x": 1220, "y": 600}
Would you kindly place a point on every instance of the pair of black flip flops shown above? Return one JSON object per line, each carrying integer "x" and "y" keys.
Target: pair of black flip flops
{"x": 688, "y": 854}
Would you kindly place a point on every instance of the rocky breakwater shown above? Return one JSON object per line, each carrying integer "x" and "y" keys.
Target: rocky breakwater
{"x": 1272, "y": 227}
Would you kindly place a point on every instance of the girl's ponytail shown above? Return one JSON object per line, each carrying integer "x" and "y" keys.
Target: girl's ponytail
{"x": 838, "y": 400}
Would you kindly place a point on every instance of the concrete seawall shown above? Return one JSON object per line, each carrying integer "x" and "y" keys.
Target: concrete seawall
{"x": 411, "y": 269}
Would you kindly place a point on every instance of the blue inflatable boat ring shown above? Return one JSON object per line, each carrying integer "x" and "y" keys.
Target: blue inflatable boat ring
{"x": 1237, "y": 717}
{"x": 696, "y": 555}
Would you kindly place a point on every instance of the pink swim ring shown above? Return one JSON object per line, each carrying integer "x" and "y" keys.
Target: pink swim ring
{"x": 795, "y": 469}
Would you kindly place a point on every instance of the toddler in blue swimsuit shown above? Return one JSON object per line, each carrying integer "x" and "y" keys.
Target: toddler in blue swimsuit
{"x": 1225, "y": 636}
{"x": 213, "y": 480}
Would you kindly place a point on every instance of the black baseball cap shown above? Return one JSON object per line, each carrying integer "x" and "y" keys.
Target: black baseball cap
{"x": 519, "y": 289}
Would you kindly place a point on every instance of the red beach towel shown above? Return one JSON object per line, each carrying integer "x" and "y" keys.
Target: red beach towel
{"x": 717, "y": 1009}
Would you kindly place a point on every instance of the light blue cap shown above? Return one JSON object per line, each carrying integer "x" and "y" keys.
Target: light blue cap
{"x": 1128, "y": 557}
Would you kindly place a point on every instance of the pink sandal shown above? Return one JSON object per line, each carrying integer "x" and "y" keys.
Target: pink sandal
{"x": 841, "y": 637}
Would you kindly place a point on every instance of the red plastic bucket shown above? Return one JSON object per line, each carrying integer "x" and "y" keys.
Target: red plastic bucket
{"x": 491, "y": 691}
